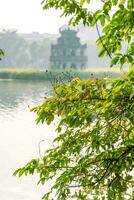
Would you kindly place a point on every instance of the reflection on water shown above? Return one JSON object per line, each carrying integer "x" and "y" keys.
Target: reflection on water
{"x": 20, "y": 137}
{"x": 14, "y": 92}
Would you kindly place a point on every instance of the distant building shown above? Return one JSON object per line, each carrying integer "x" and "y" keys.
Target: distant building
{"x": 68, "y": 52}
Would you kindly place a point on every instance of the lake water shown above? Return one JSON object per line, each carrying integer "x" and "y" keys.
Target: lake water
{"x": 20, "y": 137}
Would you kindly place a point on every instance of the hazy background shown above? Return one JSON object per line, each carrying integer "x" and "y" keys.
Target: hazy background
{"x": 34, "y": 49}
{"x": 26, "y": 35}
{"x": 29, "y": 32}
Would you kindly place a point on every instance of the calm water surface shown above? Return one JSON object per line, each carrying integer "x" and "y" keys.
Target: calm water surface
{"x": 20, "y": 137}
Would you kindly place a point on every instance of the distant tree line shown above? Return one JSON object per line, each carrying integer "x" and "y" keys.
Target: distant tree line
{"x": 21, "y": 53}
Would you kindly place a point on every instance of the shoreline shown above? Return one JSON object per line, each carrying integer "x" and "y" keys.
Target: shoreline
{"x": 47, "y": 74}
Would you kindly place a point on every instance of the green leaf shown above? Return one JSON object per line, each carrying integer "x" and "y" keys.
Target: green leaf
{"x": 122, "y": 60}
{"x": 82, "y": 2}
{"x": 1, "y": 53}
{"x": 16, "y": 172}
{"x": 114, "y": 2}
{"x": 114, "y": 61}
{"x": 46, "y": 196}
{"x": 102, "y": 20}
{"x": 102, "y": 53}
{"x": 130, "y": 4}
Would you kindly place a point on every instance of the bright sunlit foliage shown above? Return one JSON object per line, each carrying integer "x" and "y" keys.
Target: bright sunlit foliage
{"x": 94, "y": 149}
{"x": 93, "y": 153}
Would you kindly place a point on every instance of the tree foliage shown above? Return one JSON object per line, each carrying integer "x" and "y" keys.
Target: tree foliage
{"x": 115, "y": 16}
{"x": 94, "y": 149}
{"x": 93, "y": 153}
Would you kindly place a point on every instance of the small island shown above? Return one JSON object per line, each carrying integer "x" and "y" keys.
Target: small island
{"x": 68, "y": 52}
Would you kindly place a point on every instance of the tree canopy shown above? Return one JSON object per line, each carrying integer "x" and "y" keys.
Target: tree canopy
{"x": 94, "y": 149}
{"x": 115, "y": 16}
{"x": 93, "y": 153}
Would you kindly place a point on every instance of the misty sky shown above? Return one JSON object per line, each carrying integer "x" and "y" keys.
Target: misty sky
{"x": 28, "y": 16}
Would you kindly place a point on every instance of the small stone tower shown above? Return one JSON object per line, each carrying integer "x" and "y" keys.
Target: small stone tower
{"x": 68, "y": 52}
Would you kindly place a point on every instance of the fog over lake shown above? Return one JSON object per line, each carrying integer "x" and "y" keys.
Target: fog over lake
{"x": 20, "y": 137}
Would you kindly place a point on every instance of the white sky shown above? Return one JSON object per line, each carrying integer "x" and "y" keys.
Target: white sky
{"x": 28, "y": 16}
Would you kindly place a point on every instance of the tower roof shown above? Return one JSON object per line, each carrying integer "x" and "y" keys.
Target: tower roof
{"x": 66, "y": 28}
